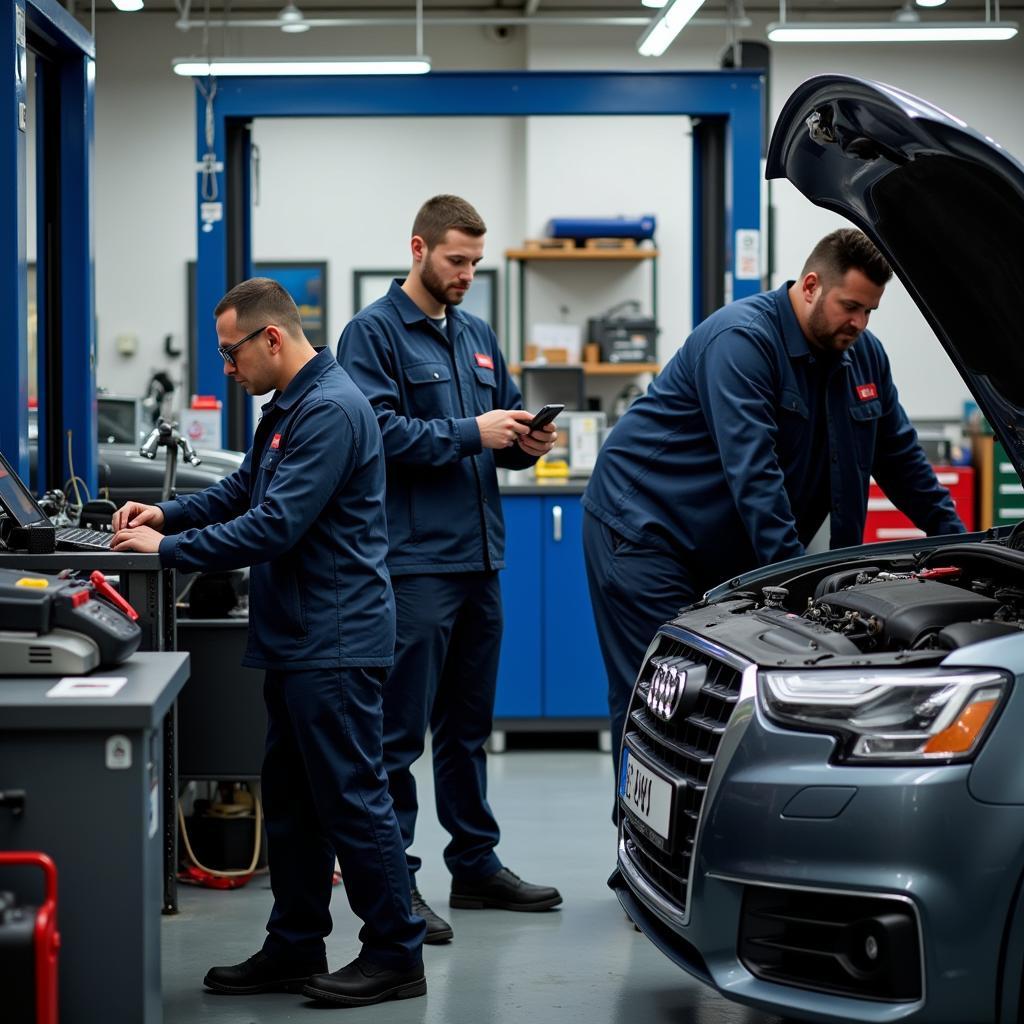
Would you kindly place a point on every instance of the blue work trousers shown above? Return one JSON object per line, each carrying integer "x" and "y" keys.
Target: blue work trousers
{"x": 325, "y": 795}
{"x": 445, "y": 674}
{"x": 633, "y": 591}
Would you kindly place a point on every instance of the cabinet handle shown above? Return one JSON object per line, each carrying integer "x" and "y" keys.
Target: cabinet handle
{"x": 556, "y": 522}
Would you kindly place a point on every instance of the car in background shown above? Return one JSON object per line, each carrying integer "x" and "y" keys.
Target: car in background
{"x": 123, "y": 474}
{"x": 822, "y": 790}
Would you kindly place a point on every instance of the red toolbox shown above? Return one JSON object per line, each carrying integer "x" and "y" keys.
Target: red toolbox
{"x": 886, "y": 522}
{"x": 28, "y": 948}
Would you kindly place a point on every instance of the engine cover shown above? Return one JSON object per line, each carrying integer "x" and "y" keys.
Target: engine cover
{"x": 908, "y": 609}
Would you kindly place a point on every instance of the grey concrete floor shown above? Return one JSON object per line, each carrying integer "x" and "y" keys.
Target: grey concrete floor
{"x": 582, "y": 962}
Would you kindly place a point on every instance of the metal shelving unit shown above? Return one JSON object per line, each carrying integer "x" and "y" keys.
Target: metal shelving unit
{"x": 521, "y": 257}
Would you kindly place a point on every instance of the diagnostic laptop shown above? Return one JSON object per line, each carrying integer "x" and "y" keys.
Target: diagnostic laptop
{"x": 19, "y": 504}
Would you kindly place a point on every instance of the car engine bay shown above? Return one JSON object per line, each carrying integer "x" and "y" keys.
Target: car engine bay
{"x": 902, "y": 608}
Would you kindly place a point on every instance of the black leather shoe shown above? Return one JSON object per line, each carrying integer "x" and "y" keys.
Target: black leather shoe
{"x": 503, "y": 891}
{"x": 262, "y": 973}
{"x": 438, "y": 929}
{"x": 361, "y": 983}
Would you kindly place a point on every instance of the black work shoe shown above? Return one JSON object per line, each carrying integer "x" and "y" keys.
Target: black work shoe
{"x": 361, "y": 983}
{"x": 504, "y": 890}
{"x": 438, "y": 929}
{"x": 262, "y": 973}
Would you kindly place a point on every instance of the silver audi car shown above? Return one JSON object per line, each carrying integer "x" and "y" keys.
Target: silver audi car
{"x": 822, "y": 790}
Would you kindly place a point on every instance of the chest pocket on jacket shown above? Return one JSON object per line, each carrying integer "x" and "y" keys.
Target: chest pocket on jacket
{"x": 864, "y": 416}
{"x": 485, "y": 385}
{"x": 271, "y": 457}
{"x": 429, "y": 387}
{"x": 792, "y": 402}
{"x": 791, "y": 439}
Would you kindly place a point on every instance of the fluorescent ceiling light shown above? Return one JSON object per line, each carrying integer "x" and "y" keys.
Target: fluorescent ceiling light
{"x": 666, "y": 26}
{"x": 661, "y": 3}
{"x": 890, "y": 32}
{"x": 930, "y": 3}
{"x": 222, "y": 67}
{"x": 128, "y": 5}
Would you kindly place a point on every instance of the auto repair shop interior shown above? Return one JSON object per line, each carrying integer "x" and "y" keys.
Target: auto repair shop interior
{"x": 818, "y": 799}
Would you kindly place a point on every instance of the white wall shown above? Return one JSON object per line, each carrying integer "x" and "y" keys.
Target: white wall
{"x": 353, "y": 204}
{"x": 346, "y": 190}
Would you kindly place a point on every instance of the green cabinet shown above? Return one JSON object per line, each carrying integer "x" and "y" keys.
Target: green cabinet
{"x": 1007, "y": 490}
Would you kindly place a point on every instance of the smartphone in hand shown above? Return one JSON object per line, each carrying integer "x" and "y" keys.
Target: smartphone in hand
{"x": 545, "y": 416}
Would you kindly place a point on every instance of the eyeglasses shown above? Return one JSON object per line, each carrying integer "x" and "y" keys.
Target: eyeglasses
{"x": 228, "y": 354}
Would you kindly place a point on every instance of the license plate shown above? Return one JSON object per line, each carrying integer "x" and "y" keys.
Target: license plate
{"x": 646, "y": 794}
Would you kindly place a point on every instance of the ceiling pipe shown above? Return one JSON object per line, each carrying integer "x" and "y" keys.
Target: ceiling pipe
{"x": 449, "y": 21}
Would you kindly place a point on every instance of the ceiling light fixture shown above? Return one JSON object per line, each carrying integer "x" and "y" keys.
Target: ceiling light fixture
{"x": 128, "y": 5}
{"x": 291, "y": 19}
{"x": 661, "y": 3}
{"x": 891, "y": 32}
{"x": 290, "y": 15}
{"x": 930, "y": 3}
{"x": 666, "y": 26}
{"x": 191, "y": 67}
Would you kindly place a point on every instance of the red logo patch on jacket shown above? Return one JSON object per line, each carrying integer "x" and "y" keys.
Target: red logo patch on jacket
{"x": 865, "y": 392}
{"x": 276, "y": 443}
{"x": 485, "y": 361}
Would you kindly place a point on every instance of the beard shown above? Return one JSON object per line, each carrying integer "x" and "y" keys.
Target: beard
{"x": 432, "y": 282}
{"x": 824, "y": 337}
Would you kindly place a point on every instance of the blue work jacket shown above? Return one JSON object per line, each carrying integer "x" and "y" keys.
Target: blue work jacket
{"x": 717, "y": 465}
{"x": 306, "y": 511}
{"x": 427, "y": 387}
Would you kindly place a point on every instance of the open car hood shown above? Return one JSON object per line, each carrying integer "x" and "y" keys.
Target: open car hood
{"x": 943, "y": 203}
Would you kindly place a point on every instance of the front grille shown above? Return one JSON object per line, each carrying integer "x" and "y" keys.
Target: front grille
{"x": 682, "y": 750}
{"x": 844, "y": 944}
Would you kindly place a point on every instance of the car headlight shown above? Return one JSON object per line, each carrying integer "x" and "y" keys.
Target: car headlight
{"x": 889, "y": 715}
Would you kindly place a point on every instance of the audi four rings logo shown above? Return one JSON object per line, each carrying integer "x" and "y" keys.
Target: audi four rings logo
{"x": 668, "y": 684}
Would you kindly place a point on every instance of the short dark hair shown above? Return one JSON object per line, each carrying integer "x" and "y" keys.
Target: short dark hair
{"x": 847, "y": 249}
{"x": 261, "y": 300}
{"x": 441, "y": 214}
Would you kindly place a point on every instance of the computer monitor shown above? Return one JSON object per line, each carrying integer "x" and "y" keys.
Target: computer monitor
{"x": 118, "y": 419}
{"x": 552, "y": 385}
{"x": 17, "y": 500}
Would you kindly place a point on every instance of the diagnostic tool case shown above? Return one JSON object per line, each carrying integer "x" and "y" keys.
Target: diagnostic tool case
{"x": 55, "y": 626}
{"x": 28, "y": 949}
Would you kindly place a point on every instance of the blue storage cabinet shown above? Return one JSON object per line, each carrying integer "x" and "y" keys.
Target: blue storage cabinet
{"x": 520, "y": 673}
{"x": 551, "y": 664}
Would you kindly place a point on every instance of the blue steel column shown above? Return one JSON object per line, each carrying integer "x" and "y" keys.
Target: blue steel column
{"x": 77, "y": 269}
{"x": 40, "y": 482}
{"x": 211, "y": 261}
{"x": 743, "y": 174}
{"x": 697, "y": 230}
{"x": 13, "y": 275}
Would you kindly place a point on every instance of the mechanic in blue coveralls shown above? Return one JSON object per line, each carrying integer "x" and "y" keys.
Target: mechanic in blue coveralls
{"x": 771, "y": 417}
{"x": 450, "y": 415}
{"x": 306, "y": 511}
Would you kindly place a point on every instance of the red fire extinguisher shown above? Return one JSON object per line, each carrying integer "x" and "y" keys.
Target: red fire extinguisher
{"x": 43, "y": 934}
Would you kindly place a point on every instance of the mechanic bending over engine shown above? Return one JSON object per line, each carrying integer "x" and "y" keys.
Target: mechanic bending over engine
{"x": 306, "y": 511}
{"x": 772, "y": 416}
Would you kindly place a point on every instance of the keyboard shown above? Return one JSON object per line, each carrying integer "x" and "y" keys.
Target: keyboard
{"x": 76, "y": 538}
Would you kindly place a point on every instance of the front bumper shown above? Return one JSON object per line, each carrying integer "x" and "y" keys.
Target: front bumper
{"x": 913, "y": 835}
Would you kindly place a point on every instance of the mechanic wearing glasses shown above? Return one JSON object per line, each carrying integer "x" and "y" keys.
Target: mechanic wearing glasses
{"x": 306, "y": 511}
{"x": 770, "y": 418}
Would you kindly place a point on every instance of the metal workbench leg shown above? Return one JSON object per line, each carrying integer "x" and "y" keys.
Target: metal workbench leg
{"x": 170, "y": 729}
